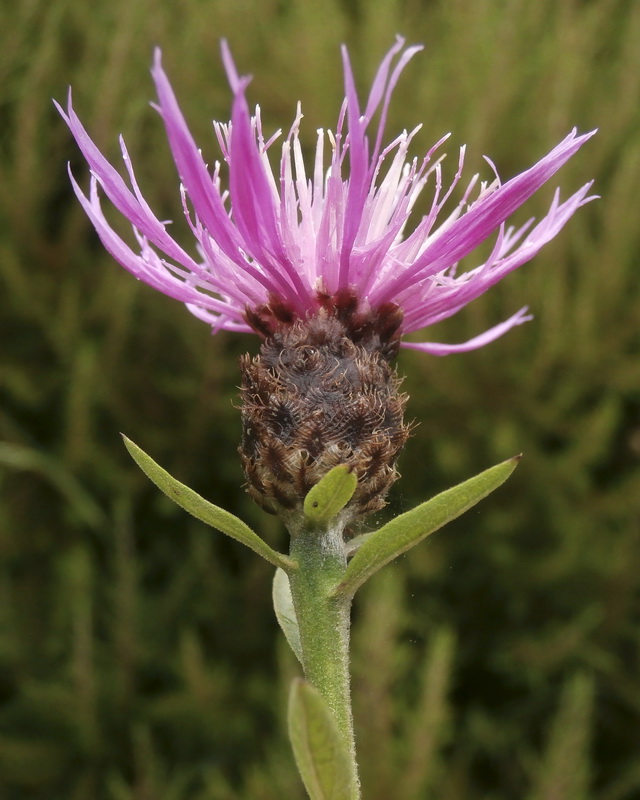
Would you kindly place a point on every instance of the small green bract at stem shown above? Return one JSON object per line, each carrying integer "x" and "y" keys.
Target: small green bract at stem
{"x": 330, "y": 495}
{"x": 319, "y": 749}
{"x": 407, "y": 530}
{"x": 206, "y": 512}
{"x": 285, "y": 612}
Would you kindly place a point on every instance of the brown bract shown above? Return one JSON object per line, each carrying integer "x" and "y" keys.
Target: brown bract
{"x": 322, "y": 392}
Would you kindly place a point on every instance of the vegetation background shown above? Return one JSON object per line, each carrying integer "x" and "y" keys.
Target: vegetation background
{"x": 139, "y": 655}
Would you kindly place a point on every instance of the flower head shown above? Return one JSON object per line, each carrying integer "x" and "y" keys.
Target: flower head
{"x": 279, "y": 246}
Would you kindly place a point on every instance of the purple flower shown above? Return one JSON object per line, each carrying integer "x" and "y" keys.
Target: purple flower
{"x": 280, "y": 243}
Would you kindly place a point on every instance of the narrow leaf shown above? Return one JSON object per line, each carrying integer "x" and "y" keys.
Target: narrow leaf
{"x": 407, "y": 530}
{"x": 330, "y": 495}
{"x": 285, "y": 612}
{"x": 203, "y": 510}
{"x": 319, "y": 749}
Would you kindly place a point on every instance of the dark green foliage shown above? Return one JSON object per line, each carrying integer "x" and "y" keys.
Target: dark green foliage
{"x": 139, "y": 655}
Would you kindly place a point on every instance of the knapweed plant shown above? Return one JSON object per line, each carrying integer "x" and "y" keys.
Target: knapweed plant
{"x": 313, "y": 256}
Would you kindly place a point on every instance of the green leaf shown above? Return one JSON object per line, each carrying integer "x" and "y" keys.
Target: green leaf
{"x": 285, "y": 612}
{"x": 330, "y": 495}
{"x": 320, "y": 751}
{"x": 203, "y": 510}
{"x": 407, "y": 530}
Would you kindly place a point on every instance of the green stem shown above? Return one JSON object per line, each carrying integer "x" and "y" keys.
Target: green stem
{"x": 324, "y": 623}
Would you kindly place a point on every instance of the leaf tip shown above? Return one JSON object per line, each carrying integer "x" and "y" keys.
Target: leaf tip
{"x": 128, "y": 443}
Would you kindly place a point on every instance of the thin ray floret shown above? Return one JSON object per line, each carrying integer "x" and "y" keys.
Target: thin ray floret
{"x": 276, "y": 244}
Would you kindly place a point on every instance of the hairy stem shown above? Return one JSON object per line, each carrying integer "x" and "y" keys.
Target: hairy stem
{"x": 324, "y": 624}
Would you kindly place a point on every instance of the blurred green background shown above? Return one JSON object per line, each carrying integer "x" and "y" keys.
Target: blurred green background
{"x": 139, "y": 655}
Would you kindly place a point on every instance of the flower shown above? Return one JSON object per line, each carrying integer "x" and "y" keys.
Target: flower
{"x": 274, "y": 246}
